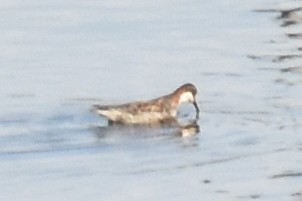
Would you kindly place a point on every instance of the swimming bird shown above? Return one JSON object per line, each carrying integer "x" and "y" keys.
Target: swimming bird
{"x": 155, "y": 111}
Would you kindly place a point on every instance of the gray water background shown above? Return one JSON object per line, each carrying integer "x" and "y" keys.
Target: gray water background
{"x": 60, "y": 57}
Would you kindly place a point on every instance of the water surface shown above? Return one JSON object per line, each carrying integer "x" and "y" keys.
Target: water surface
{"x": 60, "y": 57}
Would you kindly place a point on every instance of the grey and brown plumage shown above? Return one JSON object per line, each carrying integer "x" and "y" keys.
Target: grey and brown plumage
{"x": 159, "y": 110}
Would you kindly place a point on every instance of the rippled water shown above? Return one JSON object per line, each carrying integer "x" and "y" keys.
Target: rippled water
{"x": 60, "y": 57}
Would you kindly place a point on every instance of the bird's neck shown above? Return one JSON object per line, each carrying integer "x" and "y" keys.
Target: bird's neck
{"x": 175, "y": 97}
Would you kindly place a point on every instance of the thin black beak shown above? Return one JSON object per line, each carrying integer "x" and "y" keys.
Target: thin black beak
{"x": 197, "y": 109}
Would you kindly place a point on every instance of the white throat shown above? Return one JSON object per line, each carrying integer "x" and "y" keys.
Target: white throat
{"x": 186, "y": 97}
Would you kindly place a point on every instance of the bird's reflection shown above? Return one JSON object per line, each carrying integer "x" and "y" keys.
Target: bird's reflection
{"x": 168, "y": 128}
{"x": 189, "y": 129}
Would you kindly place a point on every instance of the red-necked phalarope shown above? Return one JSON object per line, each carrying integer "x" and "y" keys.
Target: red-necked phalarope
{"x": 159, "y": 110}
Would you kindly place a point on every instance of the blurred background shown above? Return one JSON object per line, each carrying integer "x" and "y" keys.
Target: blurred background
{"x": 60, "y": 57}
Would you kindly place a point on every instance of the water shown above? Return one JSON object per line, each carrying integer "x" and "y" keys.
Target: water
{"x": 60, "y": 57}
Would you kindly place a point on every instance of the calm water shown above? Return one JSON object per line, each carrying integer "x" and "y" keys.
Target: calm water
{"x": 60, "y": 57}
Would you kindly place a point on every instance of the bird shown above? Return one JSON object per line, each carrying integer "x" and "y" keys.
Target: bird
{"x": 156, "y": 111}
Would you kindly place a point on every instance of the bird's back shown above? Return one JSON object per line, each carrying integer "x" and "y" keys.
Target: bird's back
{"x": 154, "y": 111}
